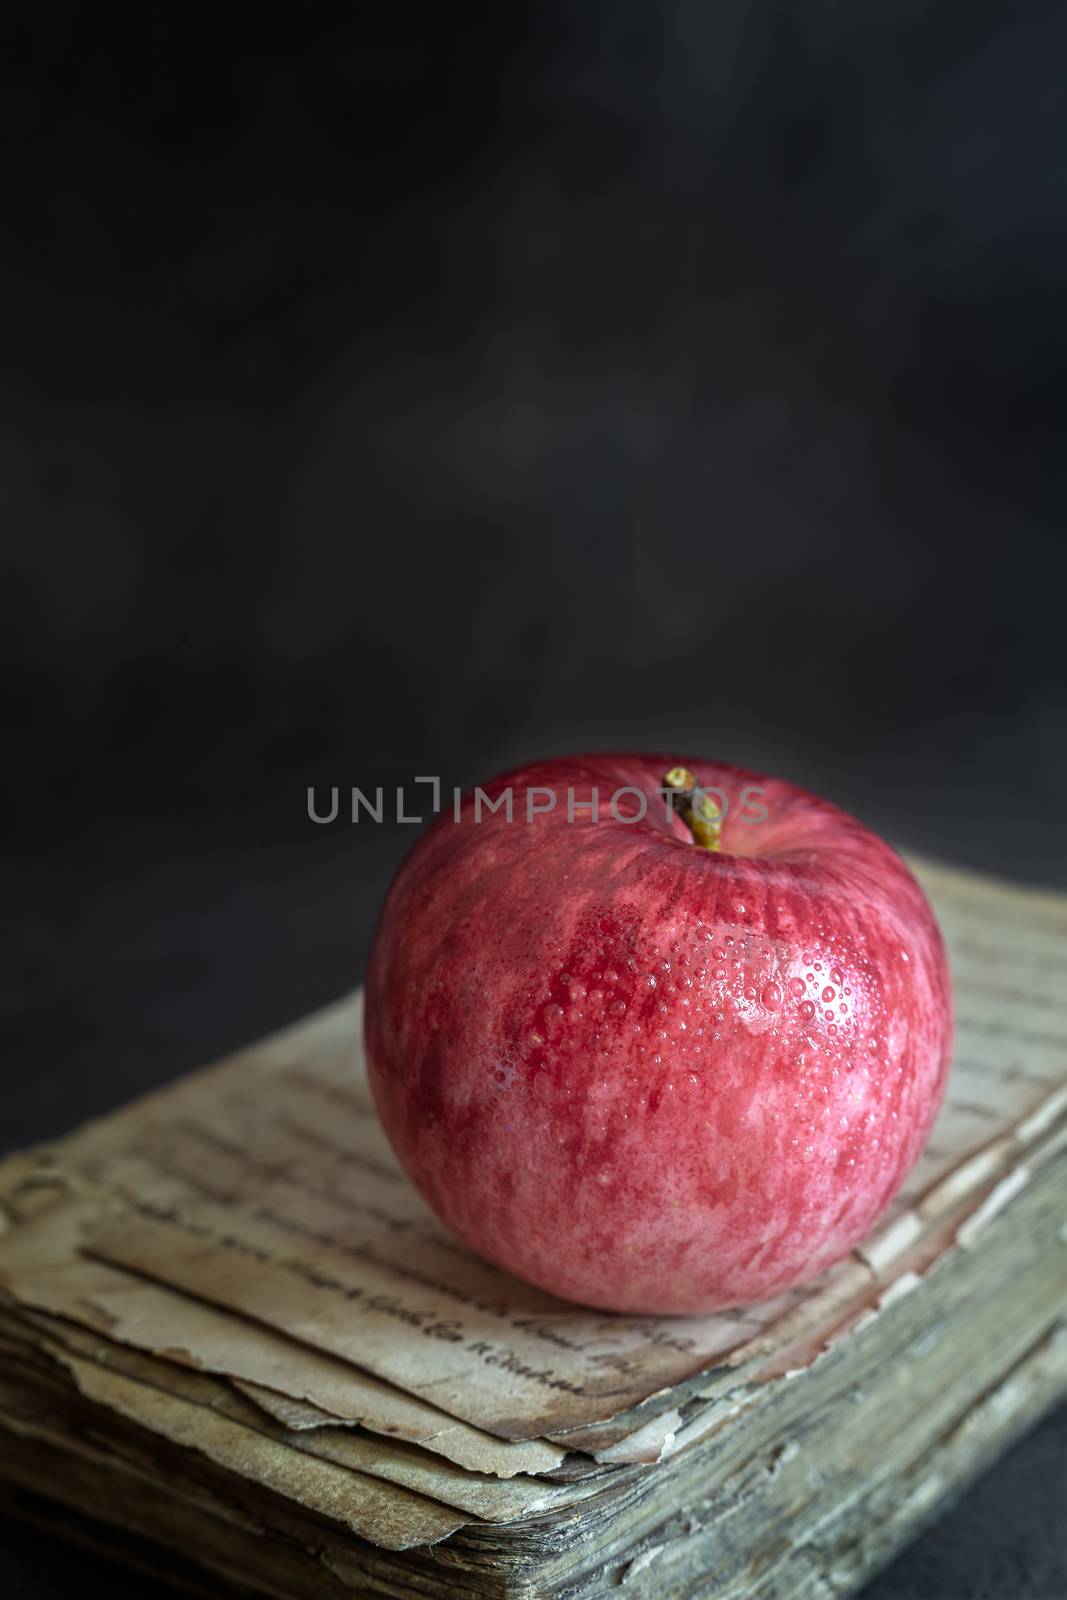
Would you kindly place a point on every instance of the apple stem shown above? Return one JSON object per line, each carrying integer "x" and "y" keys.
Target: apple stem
{"x": 698, "y": 811}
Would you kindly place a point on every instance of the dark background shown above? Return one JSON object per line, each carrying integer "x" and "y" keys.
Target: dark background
{"x": 402, "y": 391}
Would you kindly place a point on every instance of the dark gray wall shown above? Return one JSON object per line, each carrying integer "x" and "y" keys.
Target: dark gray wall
{"x": 380, "y": 392}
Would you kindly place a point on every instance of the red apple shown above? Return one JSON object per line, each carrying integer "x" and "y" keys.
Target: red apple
{"x": 647, "y": 1075}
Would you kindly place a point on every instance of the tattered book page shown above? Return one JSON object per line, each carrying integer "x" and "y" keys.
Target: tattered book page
{"x": 266, "y": 1186}
{"x": 384, "y": 1461}
{"x": 297, "y": 1384}
{"x": 387, "y": 1513}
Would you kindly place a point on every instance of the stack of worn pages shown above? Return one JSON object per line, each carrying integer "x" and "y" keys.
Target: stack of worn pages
{"x": 238, "y": 1350}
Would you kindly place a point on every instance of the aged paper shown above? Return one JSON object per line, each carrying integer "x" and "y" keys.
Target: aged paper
{"x": 294, "y": 1383}
{"x": 479, "y": 1495}
{"x": 387, "y": 1515}
{"x": 383, "y": 1512}
{"x": 265, "y": 1186}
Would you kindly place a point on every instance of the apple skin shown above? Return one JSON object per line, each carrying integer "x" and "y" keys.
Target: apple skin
{"x": 643, "y": 1075}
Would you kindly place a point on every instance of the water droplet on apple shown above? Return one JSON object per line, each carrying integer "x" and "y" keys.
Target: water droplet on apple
{"x": 771, "y": 996}
{"x": 837, "y": 976}
{"x": 806, "y": 1011}
{"x": 828, "y": 994}
{"x": 796, "y": 987}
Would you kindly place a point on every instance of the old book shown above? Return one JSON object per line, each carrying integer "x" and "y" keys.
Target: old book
{"x": 238, "y": 1349}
